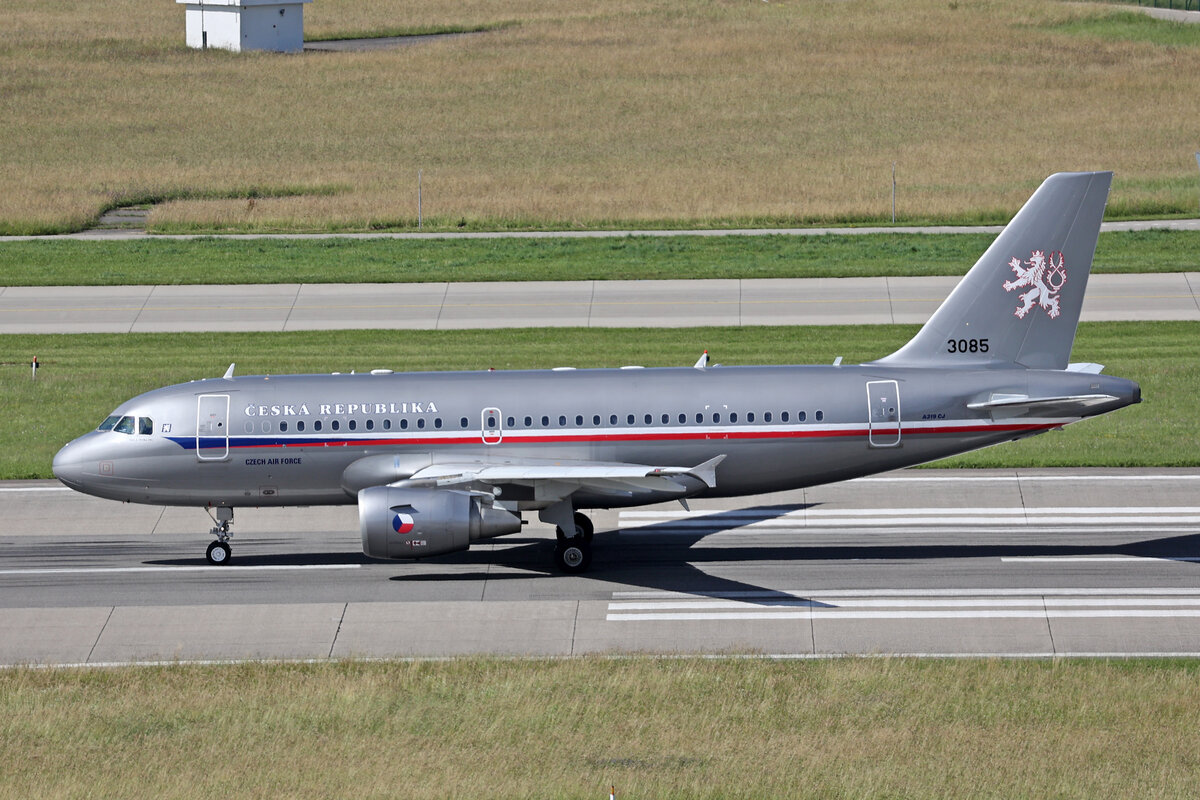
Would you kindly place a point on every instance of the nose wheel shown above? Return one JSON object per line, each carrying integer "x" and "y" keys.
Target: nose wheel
{"x": 219, "y": 553}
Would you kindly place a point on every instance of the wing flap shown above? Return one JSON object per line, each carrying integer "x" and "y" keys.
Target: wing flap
{"x": 561, "y": 478}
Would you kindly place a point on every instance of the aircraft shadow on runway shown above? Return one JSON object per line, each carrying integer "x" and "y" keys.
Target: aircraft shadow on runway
{"x": 670, "y": 561}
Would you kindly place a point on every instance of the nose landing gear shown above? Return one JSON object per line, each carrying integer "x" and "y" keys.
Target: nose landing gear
{"x": 219, "y": 553}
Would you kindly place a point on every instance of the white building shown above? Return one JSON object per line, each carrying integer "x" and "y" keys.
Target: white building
{"x": 245, "y": 24}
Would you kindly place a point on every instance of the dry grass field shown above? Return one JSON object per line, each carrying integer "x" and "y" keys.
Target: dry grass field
{"x": 593, "y": 113}
{"x": 688, "y": 728}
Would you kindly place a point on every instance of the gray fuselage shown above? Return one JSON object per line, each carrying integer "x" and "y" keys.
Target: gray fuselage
{"x": 269, "y": 441}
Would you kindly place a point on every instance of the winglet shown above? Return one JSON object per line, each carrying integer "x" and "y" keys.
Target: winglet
{"x": 229, "y": 372}
{"x": 702, "y": 362}
{"x": 707, "y": 471}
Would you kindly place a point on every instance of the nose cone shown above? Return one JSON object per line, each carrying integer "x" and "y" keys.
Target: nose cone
{"x": 68, "y": 466}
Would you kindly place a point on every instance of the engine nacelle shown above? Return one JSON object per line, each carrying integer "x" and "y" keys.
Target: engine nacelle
{"x": 414, "y": 523}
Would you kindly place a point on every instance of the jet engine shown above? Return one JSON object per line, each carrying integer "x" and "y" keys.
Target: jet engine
{"x": 414, "y": 523}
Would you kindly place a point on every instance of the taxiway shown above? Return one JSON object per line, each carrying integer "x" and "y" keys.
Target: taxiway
{"x": 585, "y": 304}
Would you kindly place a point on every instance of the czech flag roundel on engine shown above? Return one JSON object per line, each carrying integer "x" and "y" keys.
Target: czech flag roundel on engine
{"x": 402, "y": 523}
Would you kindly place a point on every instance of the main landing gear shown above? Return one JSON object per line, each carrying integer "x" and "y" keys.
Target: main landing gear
{"x": 218, "y": 553}
{"x": 573, "y": 554}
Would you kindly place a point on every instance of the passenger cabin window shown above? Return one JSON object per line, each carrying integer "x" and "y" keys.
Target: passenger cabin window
{"x": 353, "y": 424}
{"x": 317, "y": 425}
{"x": 283, "y": 426}
{"x": 421, "y": 423}
{"x": 370, "y": 424}
{"x": 783, "y": 416}
{"x": 802, "y": 416}
{"x": 529, "y": 422}
{"x": 462, "y": 422}
{"x": 300, "y": 426}
{"x": 733, "y": 416}
{"x": 820, "y": 416}
{"x": 387, "y": 424}
{"x": 336, "y": 425}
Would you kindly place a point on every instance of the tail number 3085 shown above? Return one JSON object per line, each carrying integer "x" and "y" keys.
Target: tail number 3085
{"x": 966, "y": 345}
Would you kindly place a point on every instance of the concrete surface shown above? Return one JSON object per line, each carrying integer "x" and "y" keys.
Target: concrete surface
{"x": 595, "y": 304}
{"x": 929, "y": 562}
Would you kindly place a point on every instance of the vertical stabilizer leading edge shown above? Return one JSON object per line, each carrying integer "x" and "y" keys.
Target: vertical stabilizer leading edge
{"x": 1020, "y": 303}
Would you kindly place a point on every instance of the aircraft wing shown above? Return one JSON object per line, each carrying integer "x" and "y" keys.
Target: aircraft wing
{"x": 559, "y": 479}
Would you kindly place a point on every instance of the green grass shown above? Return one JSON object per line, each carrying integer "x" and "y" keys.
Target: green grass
{"x": 1132, "y": 26}
{"x": 85, "y": 376}
{"x": 406, "y": 30}
{"x": 686, "y": 728}
{"x": 67, "y": 262}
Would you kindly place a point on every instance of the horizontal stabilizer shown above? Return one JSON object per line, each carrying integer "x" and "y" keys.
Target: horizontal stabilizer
{"x": 1066, "y": 404}
{"x": 1086, "y": 367}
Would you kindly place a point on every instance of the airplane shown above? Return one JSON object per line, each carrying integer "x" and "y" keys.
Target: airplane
{"x": 436, "y": 461}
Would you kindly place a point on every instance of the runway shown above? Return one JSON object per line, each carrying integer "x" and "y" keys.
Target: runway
{"x": 585, "y": 304}
{"x": 1022, "y": 563}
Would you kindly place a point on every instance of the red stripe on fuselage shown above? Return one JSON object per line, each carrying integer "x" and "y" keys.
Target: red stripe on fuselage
{"x": 697, "y": 436}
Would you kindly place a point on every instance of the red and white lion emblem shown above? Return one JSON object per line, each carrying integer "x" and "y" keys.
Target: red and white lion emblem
{"x": 1045, "y": 276}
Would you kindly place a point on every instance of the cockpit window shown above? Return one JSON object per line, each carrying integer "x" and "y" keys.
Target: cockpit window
{"x": 108, "y": 423}
{"x": 125, "y": 425}
{"x": 145, "y": 426}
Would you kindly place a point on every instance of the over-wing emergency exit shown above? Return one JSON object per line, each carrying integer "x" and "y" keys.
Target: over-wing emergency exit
{"x": 436, "y": 461}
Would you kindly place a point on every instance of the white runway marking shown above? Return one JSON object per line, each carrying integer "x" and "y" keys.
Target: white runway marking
{"x": 1074, "y": 559}
{"x": 228, "y": 570}
{"x": 801, "y": 594}
{"x": 34, "y": 489}
{"x": 1144, "y": 518}
{"x": 911, "y": 605}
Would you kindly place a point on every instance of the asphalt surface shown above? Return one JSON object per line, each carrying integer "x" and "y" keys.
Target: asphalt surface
{"x": 289, "y": 307}
{"x": 1024, "y": 563}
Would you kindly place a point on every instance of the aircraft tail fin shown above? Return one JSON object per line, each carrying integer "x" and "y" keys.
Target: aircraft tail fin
{"x": 1020, "y": 303}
